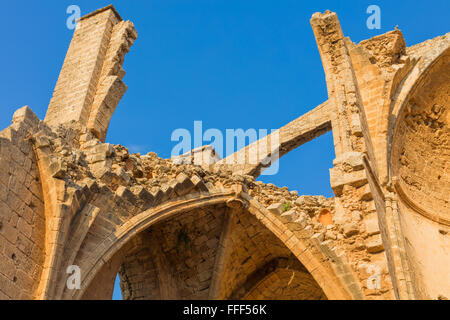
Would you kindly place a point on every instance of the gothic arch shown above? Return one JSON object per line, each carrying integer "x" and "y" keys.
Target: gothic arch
{"x": 315, "y": 262}
{"x": 410, "y": 85}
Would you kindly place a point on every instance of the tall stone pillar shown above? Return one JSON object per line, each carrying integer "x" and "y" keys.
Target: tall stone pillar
{"x": 90, "y": 84}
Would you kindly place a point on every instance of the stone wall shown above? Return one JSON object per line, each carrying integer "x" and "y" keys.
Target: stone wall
{"x": 22, "y": 216}
{"x": 89, "y": 86}
{"x": 176, "y": 230}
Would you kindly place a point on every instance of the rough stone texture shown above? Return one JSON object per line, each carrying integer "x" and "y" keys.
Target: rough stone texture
{"x": 22, "y": 214}
{"x": 90, "y": 86}
{"x": 176, "y": 230}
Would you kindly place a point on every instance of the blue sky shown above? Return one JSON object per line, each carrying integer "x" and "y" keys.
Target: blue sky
{"x": 229, "y": 63}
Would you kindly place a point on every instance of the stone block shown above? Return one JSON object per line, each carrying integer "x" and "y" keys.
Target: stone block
{"x": 126, "y": 194}
{"x": 25, "y": 114}
{"x": 199, "y": 184}
{"x": 10, "y": 233}
{"x": 169, "y": 191}
{"x": 41, "y": 141}
{"x": 301, "y": 219}
{"x": 330, "y": 235}
{"x": 276, "y": 208}
{"x": 371, "y": 225}
{"x": 350, "y": 229}
{"x": 365, "y": 193}
{"x": 58, "y": 168}
{"x": 306, "y": 201}
{"x": 103, "y": 148}
{"x": 289, "y": 216}
{"x": 123, "y": 177}
{"x": 158, "y": 195}
{"x": 184, "y": 184}
{"x": 143, "y": 195}
{"x": 338, "y": 179}
{"x": 353, "y": 159}
{"x": 356, "y": 125}
{"x": 318, "y": 237}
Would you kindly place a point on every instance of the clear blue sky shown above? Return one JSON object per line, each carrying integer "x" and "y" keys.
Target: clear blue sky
{"x": 230, "y": 63}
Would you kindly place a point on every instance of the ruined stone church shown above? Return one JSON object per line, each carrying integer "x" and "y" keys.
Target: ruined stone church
{"x": 186, "y": 231}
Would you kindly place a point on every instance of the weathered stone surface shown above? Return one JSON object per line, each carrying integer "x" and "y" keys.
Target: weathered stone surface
{"x": 372, "y": 226}
{"x": 289, "y": 215}
{"x": 58, "y": 168}
{"x": 276, "y": 208}
{"x": 183, "y": 184}
{"x": 374, "y": 244}
{"x": 187, "y": 229}
{"x": 350, "y": 229}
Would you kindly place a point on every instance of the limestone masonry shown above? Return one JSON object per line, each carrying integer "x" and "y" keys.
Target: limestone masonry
{"x": 174, "y": 230}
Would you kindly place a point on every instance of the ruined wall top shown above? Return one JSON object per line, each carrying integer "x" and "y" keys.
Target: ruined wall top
{"x": 90, "y": 84}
